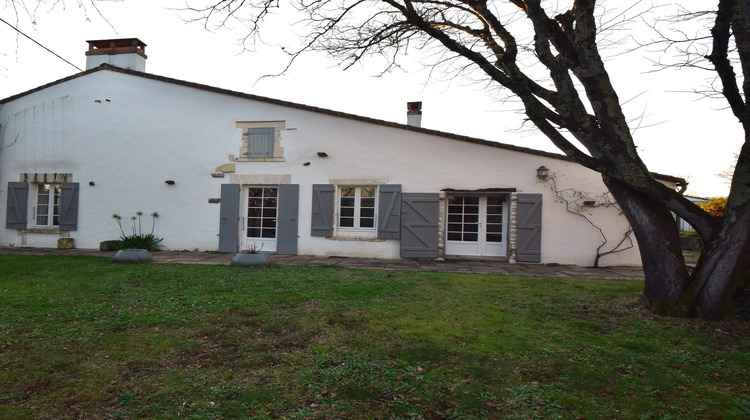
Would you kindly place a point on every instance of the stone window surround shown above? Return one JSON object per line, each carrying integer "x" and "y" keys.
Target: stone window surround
{"x": 278, "y": 151}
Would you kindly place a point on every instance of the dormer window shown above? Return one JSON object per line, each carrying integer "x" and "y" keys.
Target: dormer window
{"x": 261, "y": 140}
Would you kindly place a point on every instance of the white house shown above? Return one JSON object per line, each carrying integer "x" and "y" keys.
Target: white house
{"x": 226, "y": 170}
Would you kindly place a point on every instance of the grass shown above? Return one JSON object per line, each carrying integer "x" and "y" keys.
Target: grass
{"x": 81, "y": 337}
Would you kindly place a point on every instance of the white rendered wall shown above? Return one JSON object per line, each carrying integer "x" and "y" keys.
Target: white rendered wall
{"x": 128, "y": 135}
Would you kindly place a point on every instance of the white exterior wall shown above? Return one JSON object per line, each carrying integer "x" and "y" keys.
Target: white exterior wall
{"x": 128, "y": 134}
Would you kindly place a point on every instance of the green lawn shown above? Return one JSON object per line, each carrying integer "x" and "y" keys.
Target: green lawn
{"x": 81, "y": 337}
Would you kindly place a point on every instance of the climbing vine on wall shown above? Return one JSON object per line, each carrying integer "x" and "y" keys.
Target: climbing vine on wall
{"x": 583, "y": 204}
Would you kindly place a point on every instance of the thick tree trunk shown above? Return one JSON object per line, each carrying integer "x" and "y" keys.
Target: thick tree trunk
{"x": 666, "y": 289}
{"x": 723, "y": 272}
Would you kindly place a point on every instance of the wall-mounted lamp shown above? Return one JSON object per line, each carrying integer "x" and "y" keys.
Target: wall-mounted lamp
{"x": 306, "y": 164}
{"x": 169, "y": 182}
{"x": 542, "y": 173}
{"x": 91, "y": 183}
{"x": 322, "y": 154}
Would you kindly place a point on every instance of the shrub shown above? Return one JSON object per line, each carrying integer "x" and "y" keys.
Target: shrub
{"x": 138, "y": 240}
{"x": 715, "y": 206}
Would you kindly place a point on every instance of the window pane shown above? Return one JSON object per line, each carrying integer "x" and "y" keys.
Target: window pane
{"x": 367, "y": 223}
{"x": 367, "y": 213}
{"x": 269, "y": 213}
{"x": 347, "y": 192}
{"x": 347, "y": 212}
{"x": 496, "y": 200}
{"x": 346, "y": 222}
{"x": 494, "y": 210}
{"x": 254, "y": 202}
{"x": 471, "y": 218}
{"x": 455, "y": 209}
{"x": 368, "y": 191}
{"x": 494, "y": 219}
{"x": 268, "y": 233}
{"x": 269, "y": 223}
{"x": 471, "y": 200}
{"x": 454, "y": 227}
{"x": 255, "y": 192}
{"x": 494, "y": 238}
{"x": 493, "y": 228}
{"x": 455, "y": 218}
{"x": 471, "y": 209}
{"x": 347, "y": 202}
{"x": 269, "y": 192}
{"x": 454, "y": 236}
{"x": 470, "y": 237}
{"x": 368, "y": 202}
{"x": 471, "y": 228}
{"x": 253, "y": 221}
{"x": 253, "y": 232}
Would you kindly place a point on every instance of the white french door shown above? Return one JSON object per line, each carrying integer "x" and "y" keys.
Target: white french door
{"x": 476, "y": 225}
{"x": 260, "y": 218}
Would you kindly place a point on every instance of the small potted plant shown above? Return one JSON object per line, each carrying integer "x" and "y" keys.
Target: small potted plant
{"x": 251, "y": 257}
{"x": 135, "y": 248}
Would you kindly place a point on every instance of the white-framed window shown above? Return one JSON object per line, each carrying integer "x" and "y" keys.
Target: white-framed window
{"x": 357, "y": 210}
{"x": 47, "y": 206}
{"x": 262, "y": 205}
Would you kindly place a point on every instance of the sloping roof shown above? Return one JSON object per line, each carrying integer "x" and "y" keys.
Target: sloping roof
{"x": 108, "y": 67}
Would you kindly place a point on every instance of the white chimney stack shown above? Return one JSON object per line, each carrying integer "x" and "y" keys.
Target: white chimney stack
{"x": 128, "y": 53}
{"x": 414, "y": 114}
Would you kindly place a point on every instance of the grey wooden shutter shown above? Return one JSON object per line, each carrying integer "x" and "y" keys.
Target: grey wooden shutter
{"x": 324, "y": 196}
{"x": 389, "y": 212}
{"x": 18, "y": 198}
{"x": 529, "y": 228}
{"x": 229, "y": 215}
{"x": 260, "y": 142}
{"x": 420, "y": 219}
{"x": 69, "y": 206}
{"x": 286, "y": 219}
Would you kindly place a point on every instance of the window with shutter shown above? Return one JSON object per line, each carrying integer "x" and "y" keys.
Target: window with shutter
{"x": 52, "y": 205}
{"x": 261, "y": 141}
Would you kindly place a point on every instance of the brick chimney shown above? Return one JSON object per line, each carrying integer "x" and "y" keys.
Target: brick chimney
{"x": 414, "y": 114}
{"x": 128, "y": 53}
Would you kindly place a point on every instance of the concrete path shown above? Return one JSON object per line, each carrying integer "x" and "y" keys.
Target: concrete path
{"x": 451, "y": 265}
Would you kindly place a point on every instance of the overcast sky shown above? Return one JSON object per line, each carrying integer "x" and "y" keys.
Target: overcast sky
{"x": 681, "y": 134}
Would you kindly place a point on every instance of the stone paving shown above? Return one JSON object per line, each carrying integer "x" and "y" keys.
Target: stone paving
{"x": 452, "y": 265}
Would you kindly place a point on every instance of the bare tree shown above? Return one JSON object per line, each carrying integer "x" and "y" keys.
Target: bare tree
{"x": 550, "y": 60}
